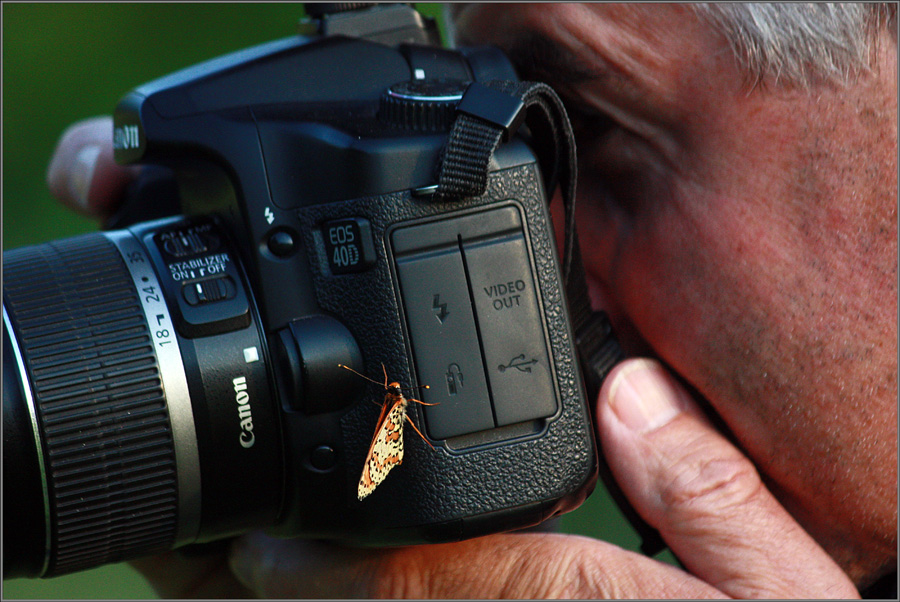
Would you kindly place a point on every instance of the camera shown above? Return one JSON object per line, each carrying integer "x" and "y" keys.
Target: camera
{"x": 182, "y": 377}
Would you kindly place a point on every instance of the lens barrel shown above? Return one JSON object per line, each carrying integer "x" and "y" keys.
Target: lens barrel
{"x": 102, "y": 430}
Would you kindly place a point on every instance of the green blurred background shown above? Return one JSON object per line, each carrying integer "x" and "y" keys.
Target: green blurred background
{"x": 66, "y": 62}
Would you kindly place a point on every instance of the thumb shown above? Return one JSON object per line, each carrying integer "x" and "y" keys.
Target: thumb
{"x": 703, "y": 495}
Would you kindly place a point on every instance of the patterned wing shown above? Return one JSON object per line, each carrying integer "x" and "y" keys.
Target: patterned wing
{"x": 386, "y": 450}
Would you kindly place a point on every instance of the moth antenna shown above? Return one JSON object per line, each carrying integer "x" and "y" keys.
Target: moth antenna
{"x": 414, "y": 388}
{"x": 385, "y": 384}
{"x": 361, "y": 375}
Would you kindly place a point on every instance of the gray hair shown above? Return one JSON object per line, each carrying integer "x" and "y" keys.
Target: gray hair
{"x": 804, "y": 43}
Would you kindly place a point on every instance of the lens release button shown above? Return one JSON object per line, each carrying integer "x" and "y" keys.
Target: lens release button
{"x": 323, "y": 457}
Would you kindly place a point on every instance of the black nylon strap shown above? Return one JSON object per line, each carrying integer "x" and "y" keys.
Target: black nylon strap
{"x": 483, "y": 121}
{"x": 464, "y": 165}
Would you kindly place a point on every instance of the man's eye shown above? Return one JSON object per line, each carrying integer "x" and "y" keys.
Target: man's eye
{"x": 587, "y": 123}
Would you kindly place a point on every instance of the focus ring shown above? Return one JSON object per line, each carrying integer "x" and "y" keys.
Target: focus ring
{"x": 105, "y": 430}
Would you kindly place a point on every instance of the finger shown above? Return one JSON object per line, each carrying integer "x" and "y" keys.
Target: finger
{"x": 523, "y": 565}
{"x": 175, "y": 574}
{"x": 83, "y": 173}
{"x": 705, "y": 496}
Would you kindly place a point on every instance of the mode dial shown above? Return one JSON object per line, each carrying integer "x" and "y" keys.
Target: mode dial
{"x": 422, "y": 106}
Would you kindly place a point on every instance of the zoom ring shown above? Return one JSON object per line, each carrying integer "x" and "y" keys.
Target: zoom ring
{"x": 100, "y": 405}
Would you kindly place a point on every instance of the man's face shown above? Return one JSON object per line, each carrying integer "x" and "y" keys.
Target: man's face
{"x": 747, "y": 235}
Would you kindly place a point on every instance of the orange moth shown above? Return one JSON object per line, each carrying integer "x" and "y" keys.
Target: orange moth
{"x": 386, "y": 449}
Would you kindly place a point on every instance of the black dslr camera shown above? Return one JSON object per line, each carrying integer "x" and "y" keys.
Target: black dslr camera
{"x": 184, "y": 379}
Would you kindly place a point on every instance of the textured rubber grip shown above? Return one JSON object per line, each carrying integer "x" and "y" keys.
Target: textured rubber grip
{"x": 100, "y": 405}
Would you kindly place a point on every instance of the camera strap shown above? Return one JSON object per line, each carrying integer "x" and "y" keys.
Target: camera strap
{"x": 487, "y": 115}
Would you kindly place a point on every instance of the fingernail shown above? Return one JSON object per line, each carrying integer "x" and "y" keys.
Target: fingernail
{"x": 644, "y": 397}
{"x": 82, "y": 173}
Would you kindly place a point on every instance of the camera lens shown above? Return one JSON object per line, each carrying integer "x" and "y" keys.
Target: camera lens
{"x": 137, "y": 414}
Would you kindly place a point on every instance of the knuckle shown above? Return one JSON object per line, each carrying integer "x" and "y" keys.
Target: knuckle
{"x": 396, "y": 576}
{"x": 583, "y": 577}
{"x": 708, "y": 483}
{"x": 571, "y": 569}
{"x": 597, "y": 570}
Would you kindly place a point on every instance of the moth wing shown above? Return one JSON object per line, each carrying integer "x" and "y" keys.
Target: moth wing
{"x": 386, "y": 450}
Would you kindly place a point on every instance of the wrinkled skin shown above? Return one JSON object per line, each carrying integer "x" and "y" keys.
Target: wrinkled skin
{"x": 747, "y": 235}
{"x": 744, "y": 233}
